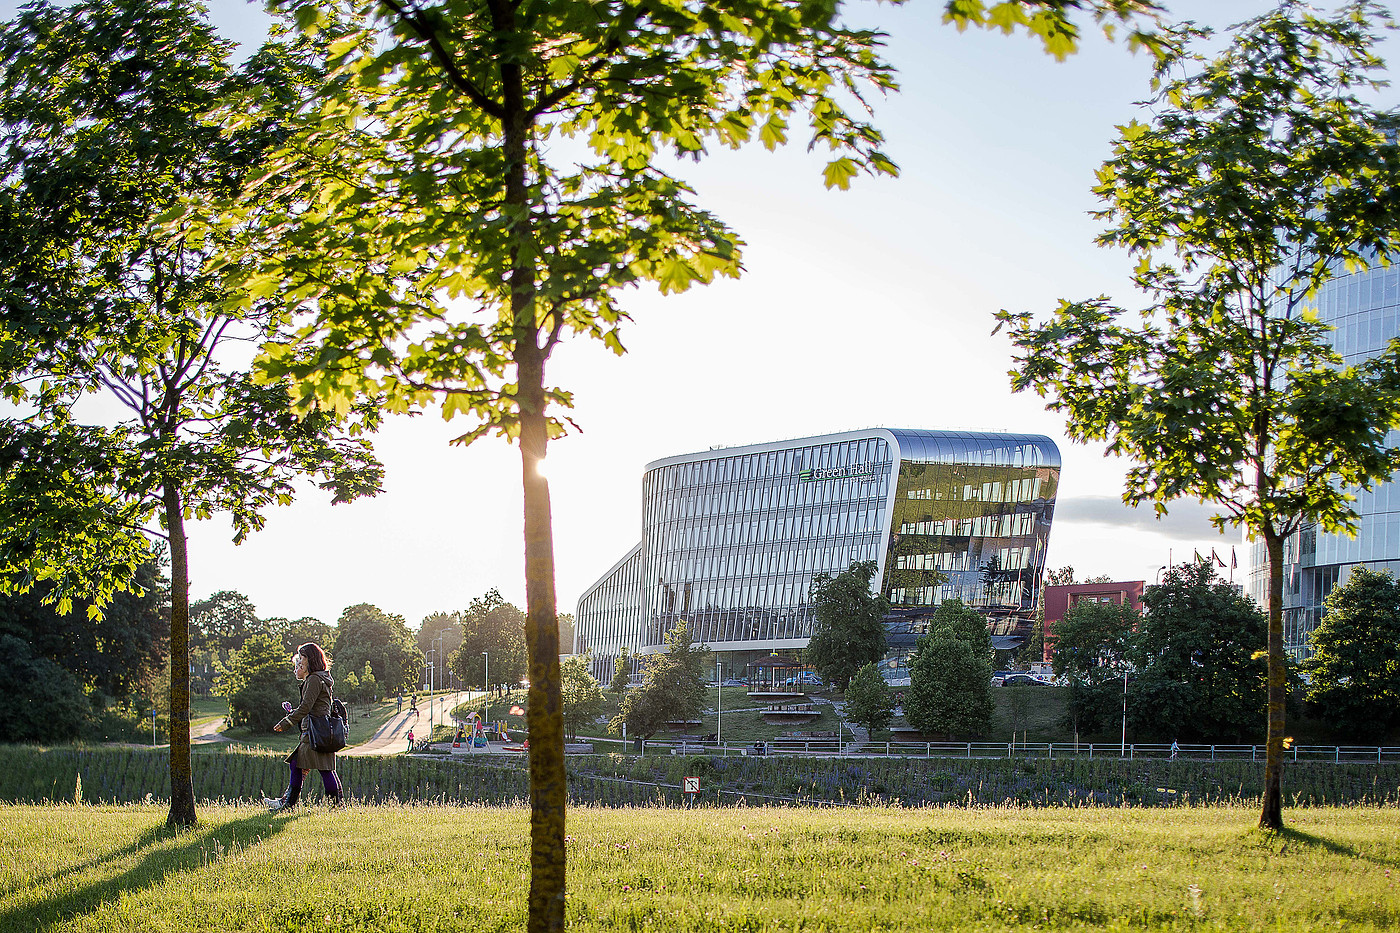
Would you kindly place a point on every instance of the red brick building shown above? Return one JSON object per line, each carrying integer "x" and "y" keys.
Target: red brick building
{"x": 1059, "y": 599}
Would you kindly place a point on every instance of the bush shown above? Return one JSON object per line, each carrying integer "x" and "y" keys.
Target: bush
{"x": 39, "y": 701}
{"x": 256, "y": 680}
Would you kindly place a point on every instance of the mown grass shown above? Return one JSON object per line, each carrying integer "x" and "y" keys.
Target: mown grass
{"x": 412, "y": 869}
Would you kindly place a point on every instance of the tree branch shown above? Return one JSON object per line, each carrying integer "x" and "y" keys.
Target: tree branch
{"x": 444, "y": 59}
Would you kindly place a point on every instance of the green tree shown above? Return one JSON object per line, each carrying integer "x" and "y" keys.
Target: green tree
{"x": 672, "y": 688}
{"x": 1092, "y": 642}
{"x": 495, "y": 626}
{"x": 105, "y": 125}
{"x": 113, "y": 656}
{"x": 1090, "y": 648}
{"x": 307, "y": 629}
{"x": 366, "y": 634}
{"x": 949, "y": 689}
{"x": 1196, "y": 652}
{"x": 369, "y": 686}
{"x": 1354, "y": 671}
{"x": 1260, "y": 176}
{"x": 622, "y": 669}
{"x": 221, "y": 623}
{"x": 956, "y": 619}
{"x": 425, "y": 176}
{"x": 950, "y": 674}
{"x": 39, "y": 700}
{"x": 848, "y": 629}
{"x": 582, "y": 696}
{"x": 868, "y": 700}
{"x": 440, "y": 632}
{"x": 257, "y": 678}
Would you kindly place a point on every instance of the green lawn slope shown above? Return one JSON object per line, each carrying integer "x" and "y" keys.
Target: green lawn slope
{"x": 417, "y": 869}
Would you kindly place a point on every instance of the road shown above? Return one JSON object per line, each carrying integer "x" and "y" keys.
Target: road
{"x": 393, "y": 735}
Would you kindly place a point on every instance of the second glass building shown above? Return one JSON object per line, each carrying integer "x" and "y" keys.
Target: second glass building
{"x": 732, "y": 537}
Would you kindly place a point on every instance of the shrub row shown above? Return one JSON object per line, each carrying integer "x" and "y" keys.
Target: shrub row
{"x": 30, "y": 774}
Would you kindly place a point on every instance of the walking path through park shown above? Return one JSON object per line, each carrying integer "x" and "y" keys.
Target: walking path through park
{"x": 389, "y": 738}
{"x": 211, "y": 731}
{"x": 392, "y": 737}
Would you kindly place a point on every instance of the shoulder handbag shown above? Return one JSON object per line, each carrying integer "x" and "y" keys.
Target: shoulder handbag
{"x": 329, "y": 734}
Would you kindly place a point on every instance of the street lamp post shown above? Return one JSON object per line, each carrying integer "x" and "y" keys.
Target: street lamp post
{"x": 719, "y": 691}
{"x": 1124, "y": 752}
{"x": 438, "y": 642}
{"x": 431, "y": 666}
{"x": 486, "y": 697}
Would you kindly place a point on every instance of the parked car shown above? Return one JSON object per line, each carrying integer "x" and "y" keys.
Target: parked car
{"x": 1021, "y": 680}
{"x": 805, "y": 679}
{"x": 736, "y": 682}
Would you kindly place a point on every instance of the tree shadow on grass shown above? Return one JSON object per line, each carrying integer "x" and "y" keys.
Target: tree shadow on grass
{"x": 196, "y": 848}
{"x": 1291, "y": 836}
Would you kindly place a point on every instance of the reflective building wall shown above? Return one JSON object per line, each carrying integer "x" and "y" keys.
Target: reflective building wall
{"x": 731, "y": 538}
{"x": 1364, "y": 309}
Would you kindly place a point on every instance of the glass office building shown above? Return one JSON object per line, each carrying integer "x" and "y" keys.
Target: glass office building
{"x": 1364, "y": 310}
{"x": 732, "y": 538}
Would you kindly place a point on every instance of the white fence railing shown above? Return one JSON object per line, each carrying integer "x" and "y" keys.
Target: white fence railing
{"x": 1358, "y": 754}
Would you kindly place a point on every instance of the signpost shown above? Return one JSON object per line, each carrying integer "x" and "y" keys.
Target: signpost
{"x": 690, "y": 786}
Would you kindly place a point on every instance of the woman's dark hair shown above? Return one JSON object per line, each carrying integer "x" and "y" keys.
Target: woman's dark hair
{"x": 315, "y": 657}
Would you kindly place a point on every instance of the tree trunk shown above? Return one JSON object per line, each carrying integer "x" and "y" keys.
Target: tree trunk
{"x": 548, "y": 788}
{"x": 1272, "y": 815}
{"x": 182, "y": 813}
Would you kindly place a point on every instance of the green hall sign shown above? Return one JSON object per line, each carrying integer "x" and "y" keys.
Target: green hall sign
{"x": 812, "y": 476}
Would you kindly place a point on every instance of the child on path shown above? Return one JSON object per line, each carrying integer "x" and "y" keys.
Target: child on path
{"x": 410, "y": 741}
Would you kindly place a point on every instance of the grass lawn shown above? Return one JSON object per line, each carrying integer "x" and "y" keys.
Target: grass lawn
{"x": 427, "y": 868}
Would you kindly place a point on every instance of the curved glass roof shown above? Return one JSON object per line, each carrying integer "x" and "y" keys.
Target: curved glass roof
{"x": 1021, "y": 450}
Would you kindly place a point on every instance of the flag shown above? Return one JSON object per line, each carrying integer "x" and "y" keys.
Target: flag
{"x": 1233, "y": 562}
{"x": 1198, "y": 555}
{"x": 1216, "y": 557}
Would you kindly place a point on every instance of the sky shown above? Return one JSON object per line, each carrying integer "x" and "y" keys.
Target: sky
{"x": 868, "y": 307}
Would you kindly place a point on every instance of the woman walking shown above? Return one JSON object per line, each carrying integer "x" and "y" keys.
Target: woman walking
{"x": 309, "y": 663}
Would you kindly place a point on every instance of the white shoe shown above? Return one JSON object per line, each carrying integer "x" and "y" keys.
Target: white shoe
{"x": 274, "y": 803}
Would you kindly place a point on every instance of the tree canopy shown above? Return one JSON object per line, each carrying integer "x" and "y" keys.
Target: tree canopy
{"x": 1354, "y": 669}
{"x": 1260, "y": 174}
{"x": 848, "y": 630}
{"x": 1091, "y": 646}
{"x": 950, "y": 674}
{"x": 112, "y": 656}
{"x": 105, "y": 124}
{"x": 868, "y": 700}
{"x": 256, "y": 679}
{"x": 672, "y": 688}
{"x": 490, "y": 624}
{"x": 366, "y": 634}
{"x": 1199, "y": 673}
{"x": 582, "y": 697}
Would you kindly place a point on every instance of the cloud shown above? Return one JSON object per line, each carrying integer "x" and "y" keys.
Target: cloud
{"x": 1185, "y": 520}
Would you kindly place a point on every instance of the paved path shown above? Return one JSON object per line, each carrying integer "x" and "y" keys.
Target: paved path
{"x": 392, "y": 737}
{"x": 211, "y": 731}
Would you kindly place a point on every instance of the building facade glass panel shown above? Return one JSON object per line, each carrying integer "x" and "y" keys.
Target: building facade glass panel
{"x": 1364, "y": 310}
{"x": 732, "y": 538}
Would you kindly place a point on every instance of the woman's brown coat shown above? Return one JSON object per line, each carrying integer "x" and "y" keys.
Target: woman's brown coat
{"x": 315, "y": 701}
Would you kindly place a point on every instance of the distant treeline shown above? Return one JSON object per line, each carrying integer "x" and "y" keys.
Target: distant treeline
{"x": 125, "y": 775}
